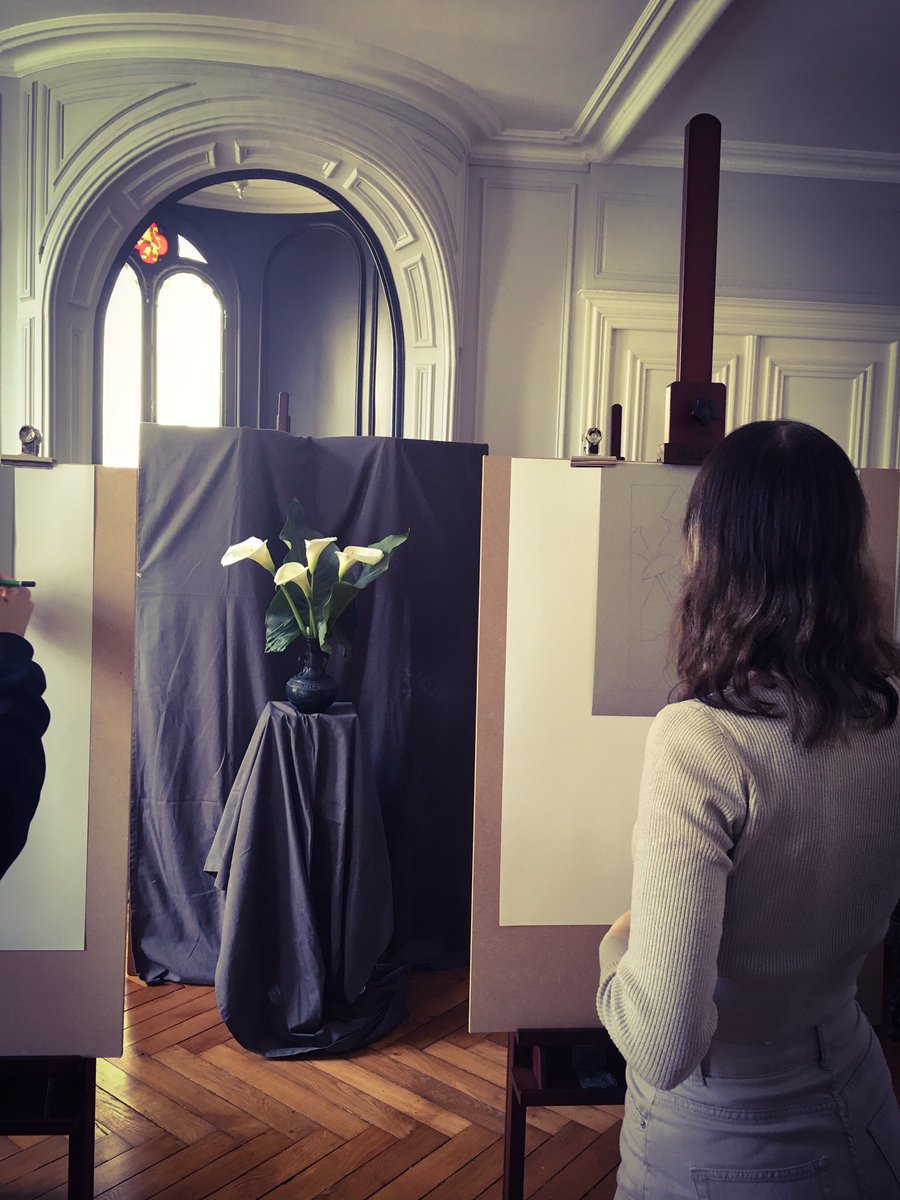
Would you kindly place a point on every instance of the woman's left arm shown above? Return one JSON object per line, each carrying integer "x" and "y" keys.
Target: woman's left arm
{"x": 658, "y": 963}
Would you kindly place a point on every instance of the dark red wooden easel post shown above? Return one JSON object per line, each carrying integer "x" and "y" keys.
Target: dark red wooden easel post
{"x": 696, "y": 409}
{"x": 538, "y": 1072}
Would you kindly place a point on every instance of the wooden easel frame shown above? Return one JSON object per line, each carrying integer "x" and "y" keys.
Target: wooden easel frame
{"x": 539, "y": 1075}
{"x": 53, "y": 1096}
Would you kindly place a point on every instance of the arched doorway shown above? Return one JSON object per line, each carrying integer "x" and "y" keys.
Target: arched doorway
{"x": 236, "y": 290}
{"x": 392, "y": 175}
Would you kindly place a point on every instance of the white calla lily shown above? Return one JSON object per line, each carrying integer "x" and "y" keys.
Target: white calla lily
{"x": 252, "y": 547}
{"x": 292, "y": 572}
{"x": 353, "y": 554}
{"x": 314, "y": 549}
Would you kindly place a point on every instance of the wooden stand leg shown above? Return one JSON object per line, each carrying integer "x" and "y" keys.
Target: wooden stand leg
{"x": 81, "y": 1139}
{"x": 514, "y": 1141}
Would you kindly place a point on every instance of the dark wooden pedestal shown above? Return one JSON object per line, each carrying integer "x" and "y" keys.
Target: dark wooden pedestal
{"x": 53, "y": 1096}
{"x": 541, "y": 1072}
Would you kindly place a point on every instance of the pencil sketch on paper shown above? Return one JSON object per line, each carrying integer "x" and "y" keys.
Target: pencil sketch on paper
{"x": 655, "y": 574}
{"x": 639, "y": 578}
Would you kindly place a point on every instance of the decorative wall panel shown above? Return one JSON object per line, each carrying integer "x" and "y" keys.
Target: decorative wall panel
{"x": 834, "y": 366}
{"x": 143, "y": 188}
{"x": 525, "y": 288}
{"x": 424, "y": 400}
{"x": 421, "y": 303}
{"x": 389, "y": 217}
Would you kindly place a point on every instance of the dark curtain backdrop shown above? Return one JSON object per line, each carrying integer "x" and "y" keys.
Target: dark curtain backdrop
{"x": 202, "y": 678}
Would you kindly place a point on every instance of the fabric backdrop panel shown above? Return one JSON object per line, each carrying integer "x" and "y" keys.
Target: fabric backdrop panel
{"x": 202, "y": 678}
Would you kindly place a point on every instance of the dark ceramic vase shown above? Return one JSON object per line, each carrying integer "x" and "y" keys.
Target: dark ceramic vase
{"x": 312, "y": 689}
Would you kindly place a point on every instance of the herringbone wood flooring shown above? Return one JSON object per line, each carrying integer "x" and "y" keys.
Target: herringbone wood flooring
{"x": 187, "y": 1114}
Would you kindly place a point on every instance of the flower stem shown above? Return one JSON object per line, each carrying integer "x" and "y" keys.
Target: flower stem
{"x": 293, "y": 607}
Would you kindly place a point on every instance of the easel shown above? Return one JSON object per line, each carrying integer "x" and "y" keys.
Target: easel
{"x": 53, "y": 1096}
{"x": 61, "y": 1010}
{"x": 283, "y": 414}
{"x": 539, "y": 1071}
{"x": 695, "y": 420}
{"x": 541, "y": 1074}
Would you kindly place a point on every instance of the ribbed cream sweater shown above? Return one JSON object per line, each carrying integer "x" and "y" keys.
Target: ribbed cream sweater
{"x": 763, "y": 875}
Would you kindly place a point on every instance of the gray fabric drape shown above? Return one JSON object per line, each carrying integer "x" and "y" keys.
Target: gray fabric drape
{"x": 301, "y": 858}
{"x": 202, "y": 678}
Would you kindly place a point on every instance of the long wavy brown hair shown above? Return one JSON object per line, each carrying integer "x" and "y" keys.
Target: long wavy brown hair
{"x": 779, "y": 593}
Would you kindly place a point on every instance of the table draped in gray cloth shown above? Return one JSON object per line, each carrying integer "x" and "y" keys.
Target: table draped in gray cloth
{"x": 202, "y": 678}
{"x": 300, "y": 855}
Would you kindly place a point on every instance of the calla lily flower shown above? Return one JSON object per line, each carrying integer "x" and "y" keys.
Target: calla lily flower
{"x": 292, "y": 572}
{"x": 252, "y": 547}
{"x": 314, "y": 549}
{"x": 353, "y": 554}
{"x": 321, "y": 614}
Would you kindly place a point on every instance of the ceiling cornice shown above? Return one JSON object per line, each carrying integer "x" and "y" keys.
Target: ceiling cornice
{"x": 41, "y": 46}
{"x": 655, "y": 50}
{"x": 757, "y": 158}
{"x": 768, "y": 158}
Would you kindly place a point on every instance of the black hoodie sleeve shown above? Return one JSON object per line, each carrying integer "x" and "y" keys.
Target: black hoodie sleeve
{"x": 23, "y": 718}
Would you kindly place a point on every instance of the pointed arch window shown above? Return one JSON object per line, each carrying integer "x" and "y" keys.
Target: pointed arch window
{"x": 164, "y": 345}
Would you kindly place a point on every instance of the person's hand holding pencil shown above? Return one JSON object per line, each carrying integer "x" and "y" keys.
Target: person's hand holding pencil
{"x": 15, "y": 605}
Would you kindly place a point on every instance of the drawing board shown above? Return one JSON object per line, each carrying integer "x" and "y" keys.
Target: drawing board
{"x": 556, "y": 782}
{"x": 69, "y": 1001}
{"x": 571, "y": 776}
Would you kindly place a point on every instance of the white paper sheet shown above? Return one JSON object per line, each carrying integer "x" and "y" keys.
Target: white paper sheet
{"x": 570, "y": 779}
{"x": 42, "y": 895}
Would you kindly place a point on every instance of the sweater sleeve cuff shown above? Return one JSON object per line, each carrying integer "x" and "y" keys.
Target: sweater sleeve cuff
{"x": 611, "y": 950}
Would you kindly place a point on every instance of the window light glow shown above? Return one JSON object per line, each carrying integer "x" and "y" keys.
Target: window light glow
{"x": 189, "y": 326}
{"x": 122, "y": 372}
{"x": 187, "y": 249}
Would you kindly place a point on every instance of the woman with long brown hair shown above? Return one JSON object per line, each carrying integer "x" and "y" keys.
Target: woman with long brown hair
{"x": 766, "y": 849}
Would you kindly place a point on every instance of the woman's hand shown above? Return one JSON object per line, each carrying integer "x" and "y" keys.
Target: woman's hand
{"x": 621, "y": 926}
{"x": 15, "y": 610}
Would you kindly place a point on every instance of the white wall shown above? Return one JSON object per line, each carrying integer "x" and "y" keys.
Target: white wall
{"x": 548, "y": 248}
{"x": 10, "y": 179}
{"x": 543, "y": 250}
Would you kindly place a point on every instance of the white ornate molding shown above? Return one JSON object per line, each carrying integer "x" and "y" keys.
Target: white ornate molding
{"x": 655, "y": 50}
{"x": 754, "y": 379}
{"x": 662, "y": 38}
{"x": 775, "y": 376}
{"x": 42, "y": 46}
{"x": 767, "y": 158}
{"x": 80, "y": 204}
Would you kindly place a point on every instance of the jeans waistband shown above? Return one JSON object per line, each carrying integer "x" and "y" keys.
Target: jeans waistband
{"x": 816, "y": 1044}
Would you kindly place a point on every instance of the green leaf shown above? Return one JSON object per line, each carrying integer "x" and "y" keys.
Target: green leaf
{"x": 324, "y": 578}
{"x": 281, "y": 626}
{"x": 343, "y": 629}
{"x": 388, "y": 545}
{"x": 296, "y": 533}
{"x": 342, "y": 596}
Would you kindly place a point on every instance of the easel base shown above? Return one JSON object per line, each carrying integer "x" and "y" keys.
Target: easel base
{"x": 541, "y": 1073}
{"x": 53, "y": 1096}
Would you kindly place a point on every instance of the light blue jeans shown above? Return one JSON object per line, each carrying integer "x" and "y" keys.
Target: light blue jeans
{"x": 804, "y": 1118}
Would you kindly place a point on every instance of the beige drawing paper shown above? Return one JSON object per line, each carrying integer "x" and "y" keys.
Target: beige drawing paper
{"x": 42, "y": 895}
{"x": 640, "y": 576}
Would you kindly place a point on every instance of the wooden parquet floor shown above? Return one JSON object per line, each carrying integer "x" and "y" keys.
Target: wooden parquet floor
{"x": 187, "y": 1114}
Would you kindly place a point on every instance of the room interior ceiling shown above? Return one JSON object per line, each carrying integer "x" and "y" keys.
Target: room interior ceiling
{"x": 259, "y": 196}
{"x": 801, "y": 86}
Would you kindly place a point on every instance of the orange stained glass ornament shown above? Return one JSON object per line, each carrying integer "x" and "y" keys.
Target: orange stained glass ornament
{"x": 152, "y": 244}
